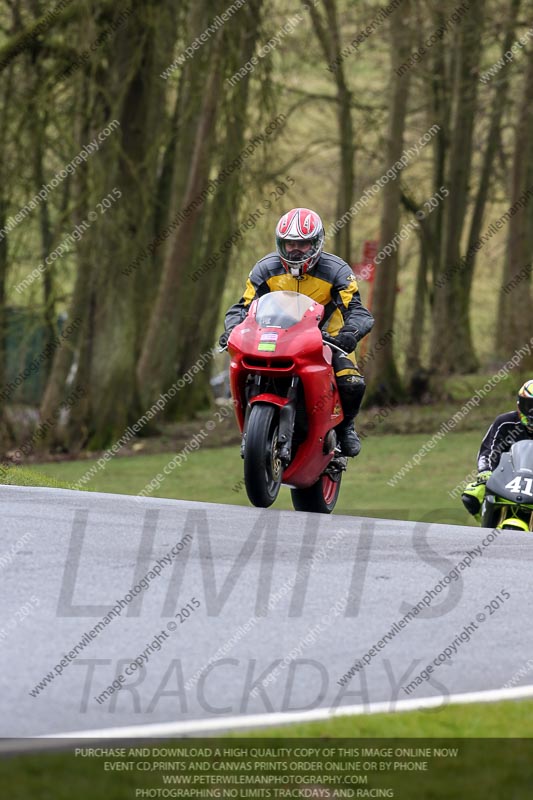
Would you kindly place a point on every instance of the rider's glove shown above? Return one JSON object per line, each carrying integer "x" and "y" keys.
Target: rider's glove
{"x": 481, "y": 480}
{"x": 223, "y": 340}
{"x": 345, "y": 340}
{"x": 474, "y": 493}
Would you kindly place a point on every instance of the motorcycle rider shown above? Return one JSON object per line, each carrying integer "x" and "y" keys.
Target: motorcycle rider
{"x": 301, "y": 265}
{"x": 508, "y": 428}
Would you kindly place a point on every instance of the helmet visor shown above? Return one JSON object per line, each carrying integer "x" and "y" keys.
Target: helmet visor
{"x": 298, "y": 251}
{"x": 525, "y": 407}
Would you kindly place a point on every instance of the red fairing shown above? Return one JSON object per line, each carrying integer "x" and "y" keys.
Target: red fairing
{"x": 297, "y": 350}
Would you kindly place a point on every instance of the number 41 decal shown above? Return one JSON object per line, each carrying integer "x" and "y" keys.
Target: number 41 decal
{"x": 515, "y": 485}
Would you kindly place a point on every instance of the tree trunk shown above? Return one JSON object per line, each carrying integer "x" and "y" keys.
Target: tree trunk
{"x": 413, "y": 362}
{"x": 382, "y": 376}
{"x": 7, "y": 103}
{"x": 443, "y": 69}
{"x": 3, "y": 317}
{"x": 126, "y": 86}
{"x": 451, "y": 343}
{"x": 329, "y": 39}
{"x": 128, "y": 164}
{"x": 175, "y": 161}
{"x": 47, "y": 239}
{"x": 493, "y": 137}
{"x": 515, "y": 309}
{"x": 428, "y": 250}
{"x": 200, "y": 302}
{"x": 78, "y": 306}
{"x": 157, "y": 363}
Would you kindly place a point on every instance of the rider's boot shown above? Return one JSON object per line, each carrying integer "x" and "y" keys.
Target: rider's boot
{"x": 349, "y": 441}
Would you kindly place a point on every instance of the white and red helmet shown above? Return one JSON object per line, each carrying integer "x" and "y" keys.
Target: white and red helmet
{"x": 300, "y": 225}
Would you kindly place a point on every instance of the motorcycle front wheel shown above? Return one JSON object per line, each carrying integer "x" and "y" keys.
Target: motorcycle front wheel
{"x": 262, "y": 467}
{"x": 321, "y": 497}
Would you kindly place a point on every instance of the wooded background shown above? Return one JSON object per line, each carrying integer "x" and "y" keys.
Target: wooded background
{"x": 211, "y": 119}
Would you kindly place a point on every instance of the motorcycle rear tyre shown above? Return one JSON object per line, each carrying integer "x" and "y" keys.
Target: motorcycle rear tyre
{"x": 320, "y": 498}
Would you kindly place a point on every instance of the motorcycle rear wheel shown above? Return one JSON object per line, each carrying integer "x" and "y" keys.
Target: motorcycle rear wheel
{"x": 320, "y": 498}
{"x": 262, "y": 468}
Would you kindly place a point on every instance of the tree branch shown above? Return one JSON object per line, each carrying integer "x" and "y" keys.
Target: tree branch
{"x": 32, "y": 36}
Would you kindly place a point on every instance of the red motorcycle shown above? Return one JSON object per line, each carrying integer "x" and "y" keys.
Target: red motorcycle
{"x": 286, "y": 402}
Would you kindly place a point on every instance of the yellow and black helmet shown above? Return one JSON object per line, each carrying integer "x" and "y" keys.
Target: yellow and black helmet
{"x": 525, "y": 405}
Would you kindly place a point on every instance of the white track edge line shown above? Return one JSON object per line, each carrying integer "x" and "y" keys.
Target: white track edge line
{"x": 200, "y": 726}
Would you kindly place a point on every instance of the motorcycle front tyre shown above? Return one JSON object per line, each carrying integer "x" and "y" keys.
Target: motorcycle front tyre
{"x": 262, "y": 468}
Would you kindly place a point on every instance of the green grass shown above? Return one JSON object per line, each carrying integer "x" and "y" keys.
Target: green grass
{"x": 28, "y": 476}
{"x": 215, "y": 475}
{"x": 482, "y": 769}
{"x": 478, "y": 720}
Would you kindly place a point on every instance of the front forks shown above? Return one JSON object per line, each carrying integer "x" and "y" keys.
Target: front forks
{"x": 251, "y": 392}
{"x": 287, "y": 416}
{"x": 286, "y": 423}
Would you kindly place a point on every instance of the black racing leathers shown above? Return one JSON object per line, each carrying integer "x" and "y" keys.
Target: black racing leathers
{"x": 502, "y": 434}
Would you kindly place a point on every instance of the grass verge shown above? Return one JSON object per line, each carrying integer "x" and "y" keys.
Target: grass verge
{"x": 27, "y": 476}
{"x": 215, "y": 475}
{"x": 483, "y": 769}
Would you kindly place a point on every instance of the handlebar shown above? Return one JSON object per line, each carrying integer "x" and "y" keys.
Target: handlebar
{"x": 330, "y": 344}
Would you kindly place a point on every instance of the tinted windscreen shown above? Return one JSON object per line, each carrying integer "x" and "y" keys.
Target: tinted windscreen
{"x": 522, "y": 455}
{"x": 281, "y": 309}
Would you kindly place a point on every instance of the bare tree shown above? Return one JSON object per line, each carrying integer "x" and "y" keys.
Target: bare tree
{"x": 382, "y": 375}
{"x": 183, "y": 316}
{"x": 451, "y": 341}
{"x": 515, "y": 310}
{"x": 328, "y": 35}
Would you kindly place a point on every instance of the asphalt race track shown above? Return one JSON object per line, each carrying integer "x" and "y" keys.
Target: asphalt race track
{"x": 273, "y": 608}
